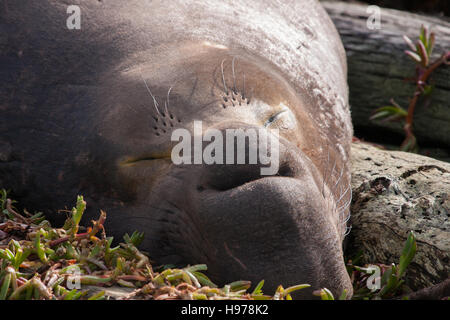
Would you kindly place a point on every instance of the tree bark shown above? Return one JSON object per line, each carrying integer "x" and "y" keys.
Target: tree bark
{"x": 378, "y": 67}
{"x": 436, "y": 292}
{"x": 394, "y": 193}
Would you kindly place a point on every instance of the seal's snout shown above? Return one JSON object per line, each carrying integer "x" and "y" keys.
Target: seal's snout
{"x": 273, "y": 220}
{"x": 274, "y": 223}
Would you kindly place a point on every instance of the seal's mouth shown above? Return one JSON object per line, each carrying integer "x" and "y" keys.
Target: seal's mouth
{"x": 144, "y": 159}
{"x": 249, "y": 185}
{"x": 224, "y": 180}
{"x": 274, "y": 221}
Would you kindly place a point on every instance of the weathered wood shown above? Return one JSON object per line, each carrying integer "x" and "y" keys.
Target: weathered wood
{"x": 394, "y": 193}
{"x": 378, "y": 67}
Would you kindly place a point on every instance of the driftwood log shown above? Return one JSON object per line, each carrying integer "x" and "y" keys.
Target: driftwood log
{"x": 378, "y": 67}
{"x": 394, "y": 193}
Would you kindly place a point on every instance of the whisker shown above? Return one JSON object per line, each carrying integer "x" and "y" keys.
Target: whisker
{"x": 346, "y": 219}
{"x": 251, "y": 96}
{"x": 345, "y": 204}
{"x": 234, "y": 77}
{"x": 326, "y": 166}
{"x": 331, "y": 175}
{"x": 347, "y": 232}
{"x": 243, "y": 91}
{"x": 155, "y": 103}
{"x": 332, "y": 170}
{"x": 223, "y": 78}
{"x": 168, "y": 96}
{"x": 166, "y": 104}
{"x": 339, "y": 179}
{"x": 335, "y": 203}
{"x": 343, "y": 194}
{"x": 165, "y": 109}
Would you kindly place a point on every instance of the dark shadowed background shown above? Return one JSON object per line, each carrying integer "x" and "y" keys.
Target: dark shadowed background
{"x": 434, "y": 7}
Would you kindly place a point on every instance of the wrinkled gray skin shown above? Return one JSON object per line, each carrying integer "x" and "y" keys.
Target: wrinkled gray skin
{"x": 77, "y": 118}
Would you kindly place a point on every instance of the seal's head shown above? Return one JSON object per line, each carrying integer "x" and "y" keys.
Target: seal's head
{"x": 284, "y": 225}
{"x": 99, "y": 112}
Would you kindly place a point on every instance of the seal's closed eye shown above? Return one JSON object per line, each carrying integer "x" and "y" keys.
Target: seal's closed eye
{"x": 274, "y": 117}
{"x": 135, "y": 160}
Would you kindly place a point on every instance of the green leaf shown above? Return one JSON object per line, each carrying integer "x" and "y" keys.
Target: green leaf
{"x": 326, "y": 294}
{"x": 94, "y": 252}
{"x": 5, "y": 286}
{"x": 427, "y": 90}
{"x": 431, "y": 42}
{"x": 389, "y": 111}
{"x": 291, "y": 289}
{"x": 71, "y": 268}
{"x": 39, "y": 247}
{"x": 409, "y": 250}
{"x": 199, "y": 296}
{"x": 20, "y": 257}
{"x": 423, "y": 34}
{"x": 410, "y": 144}
{"x": 409, "y": 43}
{"x": 136, "y": 238}
{"x": 258, "y": 288}
{"x": 385, "y": 276}
{"x": 98, "y": 296}
{"x": 422, "y": 50}
{"x": 416, "y": 58}
{"x": 391, "y": 280}
{"x": 197, "y": 267}
{"x": 6, "y": 254}
{"x": 239, "y": 285}
{"x": 343, "y": 295}
{"x": 204, "y": 280}
{"x": 77, "y": 214}
{"x": 71, "y": 295}
{"x": 94, "y": 280}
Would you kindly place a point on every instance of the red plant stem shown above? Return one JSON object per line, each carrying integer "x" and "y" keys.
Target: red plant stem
{"x": 64, "y": 239}
{"x": 132, "y": 277}
{"x": 78, "y": 236}
{"x": 97, "y": 225}
{"x": 17, "y": 215}
{"x": 422, "y": 79}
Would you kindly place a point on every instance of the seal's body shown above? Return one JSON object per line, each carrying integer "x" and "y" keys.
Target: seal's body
{"x": 91, "y": 112}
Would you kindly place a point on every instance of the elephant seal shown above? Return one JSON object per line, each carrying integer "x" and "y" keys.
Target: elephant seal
{"x": 90, "y": 111}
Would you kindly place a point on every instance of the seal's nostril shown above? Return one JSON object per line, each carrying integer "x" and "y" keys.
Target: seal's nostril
{"x": 286, "y": 170}
{"x": 229, "y": 178}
